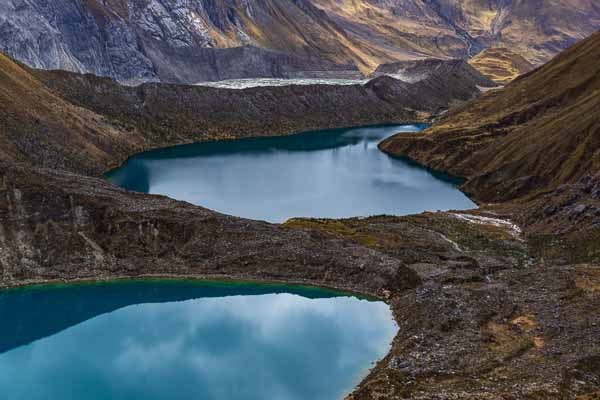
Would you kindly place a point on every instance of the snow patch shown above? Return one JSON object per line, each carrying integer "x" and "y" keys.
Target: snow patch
{"x": 512, "y": 228}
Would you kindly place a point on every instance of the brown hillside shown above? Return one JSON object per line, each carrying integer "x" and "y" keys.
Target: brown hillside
{"x": 541, "y": 131}
{"x": 501, "y": 65}
{"x": 33, "y": 121}
{"x": 87, "y": 124}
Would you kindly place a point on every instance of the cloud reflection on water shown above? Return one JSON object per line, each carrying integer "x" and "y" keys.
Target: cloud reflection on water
{"x": 328, "y": 174}
{"x": 278, "y": 346}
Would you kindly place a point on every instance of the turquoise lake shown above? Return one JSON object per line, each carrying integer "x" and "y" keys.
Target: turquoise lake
{"x": 326, "y": 174}
{"x": 187, "y": 340}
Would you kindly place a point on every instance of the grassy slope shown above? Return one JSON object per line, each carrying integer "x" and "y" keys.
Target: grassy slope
{"x": 36, "y": 123}
{"x": 500, "y": 64}
{"x": 541, "y": 131}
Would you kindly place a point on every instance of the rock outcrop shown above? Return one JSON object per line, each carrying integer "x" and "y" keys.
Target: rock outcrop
{"x": 492, "y": 319}
{"x": 417, "y": 70}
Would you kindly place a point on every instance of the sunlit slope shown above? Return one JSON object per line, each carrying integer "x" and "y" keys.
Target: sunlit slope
{"x": 500, "y": 64}
{"x": 539, "y": 132}
{"x": 38, "y": 125}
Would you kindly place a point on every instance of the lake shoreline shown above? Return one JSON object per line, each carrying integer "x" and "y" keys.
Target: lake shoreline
{"x": 337, "y": 173}
{"x": 200, "y": 279}
{"x": 63, "y": 310}
{"x": 385, "y": 295}
{"x": 123, "y": 160}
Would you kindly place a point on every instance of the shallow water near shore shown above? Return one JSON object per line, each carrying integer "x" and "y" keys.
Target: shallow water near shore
{"x": 186, "y": 339}
{"x": 323, "y": 174}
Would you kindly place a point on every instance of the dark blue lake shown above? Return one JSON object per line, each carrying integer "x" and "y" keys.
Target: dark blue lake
{"x": 325, "y": 174}
{"x": 187, "y": 340}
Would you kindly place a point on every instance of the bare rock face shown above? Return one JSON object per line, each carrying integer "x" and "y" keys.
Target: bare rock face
{"x": 137, "y": 41}
{"x": 211, "y": 64}
{"x": 63, "y": 34}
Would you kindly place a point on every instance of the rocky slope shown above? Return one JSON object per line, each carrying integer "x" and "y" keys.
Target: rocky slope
{"x": 57, "y": 225}
{"x": 403, "y": 29}
{"x": 45, "y": 114}
{"x": 538, "y": 133}
{"x": 490, "y": 320}
{"x": 414, "y": 71}
{"x": 500, "y": 64}
{"x": 175, "y": 41}
{"x": 205, "y": 64}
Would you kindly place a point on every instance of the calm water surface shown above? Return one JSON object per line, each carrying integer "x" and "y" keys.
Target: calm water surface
{"x": 186, "y": 340}
{"x": 327, "y": 174}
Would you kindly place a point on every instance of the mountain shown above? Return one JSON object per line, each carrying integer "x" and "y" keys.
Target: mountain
{"x": 535, "y": 143}
{"x": 61, "y": 225}
{"x": 390, "y": 30}
{"x": 414, "y": 71}
{"x": 485, "y": 308}
{"x": 137, "y": 41}
{"x": 45, "y": 115}
{"x": 500, "y": 64}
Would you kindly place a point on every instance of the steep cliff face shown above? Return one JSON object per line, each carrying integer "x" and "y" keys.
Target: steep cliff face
{"x": 138, "y": 41}
{"x": 149, "y": 40}
{"x": 208, "y": 64}
{"x": 65, "y": 34}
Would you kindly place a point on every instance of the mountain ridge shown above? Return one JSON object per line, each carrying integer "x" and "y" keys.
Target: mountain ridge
{"x": 130, "y": 40}
{"x": 531, "y": 149}
{"x": 47, "y": 114}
